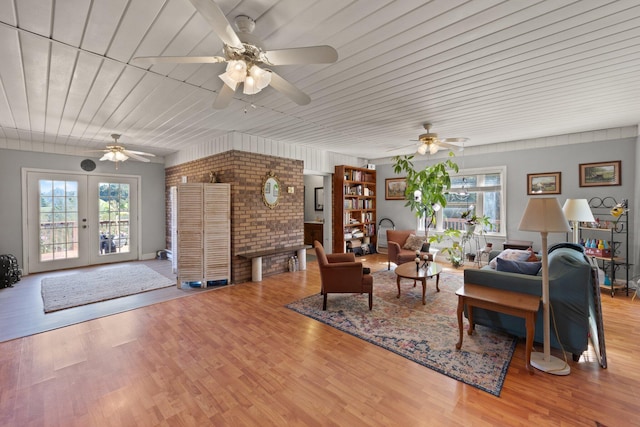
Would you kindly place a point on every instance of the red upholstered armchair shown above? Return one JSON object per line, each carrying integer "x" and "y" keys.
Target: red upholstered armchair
{"x": 396, "y": 253}
{"x": 340, "y": 273}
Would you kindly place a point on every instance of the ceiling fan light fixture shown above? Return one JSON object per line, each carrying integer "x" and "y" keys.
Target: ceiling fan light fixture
{"x": 433, "y": 149}
{"x": 422, "y": 150}
{"x": 108, "y": 156}
{"x": 120, "y": 156}
{"x": 236, "y": 72}
{"x": 262, "y": 77}
{"x": 250, "y": 87}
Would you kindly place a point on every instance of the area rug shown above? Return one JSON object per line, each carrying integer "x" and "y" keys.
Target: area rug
{"x": 72, "y": 290}
{"x": 426, "y": 334}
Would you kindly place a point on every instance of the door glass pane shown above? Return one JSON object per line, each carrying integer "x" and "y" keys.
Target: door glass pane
{"x": 113, "y": 208}
{"x": 58, "y": 213}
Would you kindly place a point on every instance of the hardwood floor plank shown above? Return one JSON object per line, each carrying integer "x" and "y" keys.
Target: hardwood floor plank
{"x": 237, "y": 356}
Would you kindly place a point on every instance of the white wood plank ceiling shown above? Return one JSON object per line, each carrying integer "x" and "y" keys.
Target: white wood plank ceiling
{"x": 489, "y": 70}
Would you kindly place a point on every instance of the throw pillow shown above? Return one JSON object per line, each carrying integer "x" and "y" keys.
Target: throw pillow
{"x": 532, "y": 256}
{"x": 413, "y": 242}
{"x": 510, "y": 254}
{"x": 521, "y": 267}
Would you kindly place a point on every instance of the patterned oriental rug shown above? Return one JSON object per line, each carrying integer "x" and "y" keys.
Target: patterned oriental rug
{"x": 426, "y": 334}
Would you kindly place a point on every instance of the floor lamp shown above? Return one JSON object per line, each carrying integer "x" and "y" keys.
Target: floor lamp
{"x": 576, "y": 211}
{"x": 544, "y": 215}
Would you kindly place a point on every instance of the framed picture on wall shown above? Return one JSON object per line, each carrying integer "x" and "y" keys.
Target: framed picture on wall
{"x": 395, "y": 188}
{"x": 600, "y": 174}
{"x": 544, "y": 183}
{"x": 318, "y": 200}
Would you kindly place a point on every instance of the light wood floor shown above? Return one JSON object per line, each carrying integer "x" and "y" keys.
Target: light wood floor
{"x": 236, "y": 356}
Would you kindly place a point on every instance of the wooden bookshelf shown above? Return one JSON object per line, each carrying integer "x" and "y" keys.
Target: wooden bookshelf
{"x": 354, "y": 207}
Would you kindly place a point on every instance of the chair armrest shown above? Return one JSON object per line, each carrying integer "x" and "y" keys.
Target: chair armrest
{"x": 393, "y": 249}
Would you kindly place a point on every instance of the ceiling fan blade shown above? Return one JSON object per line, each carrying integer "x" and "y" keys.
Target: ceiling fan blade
{"x": 224, "y": 97}
{"x": 140, "y": 153}
{"x": 302, "y": 55}
{"x": 289, "y": 90}
{"x": 444, "y": 144}
{"x": 150, "y": 60}
{"x": 135, "y": 156}
{"x": 455, "y": 140}
{"x": 212, "y": 13}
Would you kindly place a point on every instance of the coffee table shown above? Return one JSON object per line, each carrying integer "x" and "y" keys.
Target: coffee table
{"x": 408, "y": 271}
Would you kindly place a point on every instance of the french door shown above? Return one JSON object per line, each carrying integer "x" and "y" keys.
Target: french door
{"x": 75, "y": 220}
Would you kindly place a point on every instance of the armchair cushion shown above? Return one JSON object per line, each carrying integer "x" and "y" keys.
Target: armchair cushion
{"x": 413, "y": 242}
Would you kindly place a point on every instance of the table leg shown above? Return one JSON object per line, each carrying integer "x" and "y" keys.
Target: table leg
{"x": 460, "y": 326}
{"x": 398, "y": 283}
{"x": 438, "y": 282}
{"x": 424, "y": 290}
{"x": 530, "y": 321}
{"x": 472, "y": 326}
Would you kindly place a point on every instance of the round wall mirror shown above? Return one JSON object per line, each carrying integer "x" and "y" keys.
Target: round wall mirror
{"x": 271, "y": 190}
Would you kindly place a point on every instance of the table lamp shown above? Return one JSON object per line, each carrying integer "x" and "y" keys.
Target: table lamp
{"x": 545, "y": 216}
{"x": 576, "y": 211}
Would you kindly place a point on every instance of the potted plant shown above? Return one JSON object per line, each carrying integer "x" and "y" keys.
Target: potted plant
{"x": 455, "y": 251}
{"x": 426, "y": 188}
{"x": 472, "y": 220}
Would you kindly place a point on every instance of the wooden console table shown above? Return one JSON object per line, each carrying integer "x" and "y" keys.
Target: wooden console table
{"x": 507, "y": 302}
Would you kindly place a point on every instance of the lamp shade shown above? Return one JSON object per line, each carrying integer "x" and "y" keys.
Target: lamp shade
{"x": 544, "y": 214}
{"x": 577, "y": 210}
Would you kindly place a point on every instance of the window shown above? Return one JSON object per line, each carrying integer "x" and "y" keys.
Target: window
{"x": 481, "y": 191}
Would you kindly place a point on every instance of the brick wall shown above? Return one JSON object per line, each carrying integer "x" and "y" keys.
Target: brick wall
{"x": 253, "y": 225}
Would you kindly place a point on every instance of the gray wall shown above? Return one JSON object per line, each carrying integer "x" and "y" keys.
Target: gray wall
{"x": 152, "y": 209}
{"x": 519, "y": 163}
{"x": 310, "y": 183}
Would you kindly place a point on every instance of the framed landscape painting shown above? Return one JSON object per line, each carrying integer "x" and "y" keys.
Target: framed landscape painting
{"x": 600, "y": 174}
{"x": 395, "y": 188}
{"x": 544, "y": 183}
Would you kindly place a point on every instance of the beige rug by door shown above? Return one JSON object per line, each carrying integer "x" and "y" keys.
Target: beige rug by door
{"x": 72, "y": 290}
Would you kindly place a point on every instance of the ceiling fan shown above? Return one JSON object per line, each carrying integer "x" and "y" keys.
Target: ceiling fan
{"x": 431, "y": 143}
{"x": 117, "y": 153}
{"x": 244, "y": 54}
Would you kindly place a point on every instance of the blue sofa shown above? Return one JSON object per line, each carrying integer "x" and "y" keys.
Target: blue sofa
{"x": 570, "y": 293}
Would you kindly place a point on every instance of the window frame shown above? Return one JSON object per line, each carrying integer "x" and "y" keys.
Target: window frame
{"x": 502, "y": 170}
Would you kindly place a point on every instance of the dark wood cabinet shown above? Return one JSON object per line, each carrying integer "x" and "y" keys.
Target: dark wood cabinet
{"x": 313, "y": 231}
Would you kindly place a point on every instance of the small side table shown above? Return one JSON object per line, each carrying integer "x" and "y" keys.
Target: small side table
{"x": 507, "y": 302}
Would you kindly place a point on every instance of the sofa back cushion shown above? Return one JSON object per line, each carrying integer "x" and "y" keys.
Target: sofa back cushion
{"x": 522, "y": 267}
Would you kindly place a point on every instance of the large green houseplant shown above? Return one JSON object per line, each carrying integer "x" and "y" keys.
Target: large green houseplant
{"x": 427, "y": 187}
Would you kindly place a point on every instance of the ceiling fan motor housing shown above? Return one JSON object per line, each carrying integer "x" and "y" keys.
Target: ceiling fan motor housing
{"x": 428, "y": 137}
